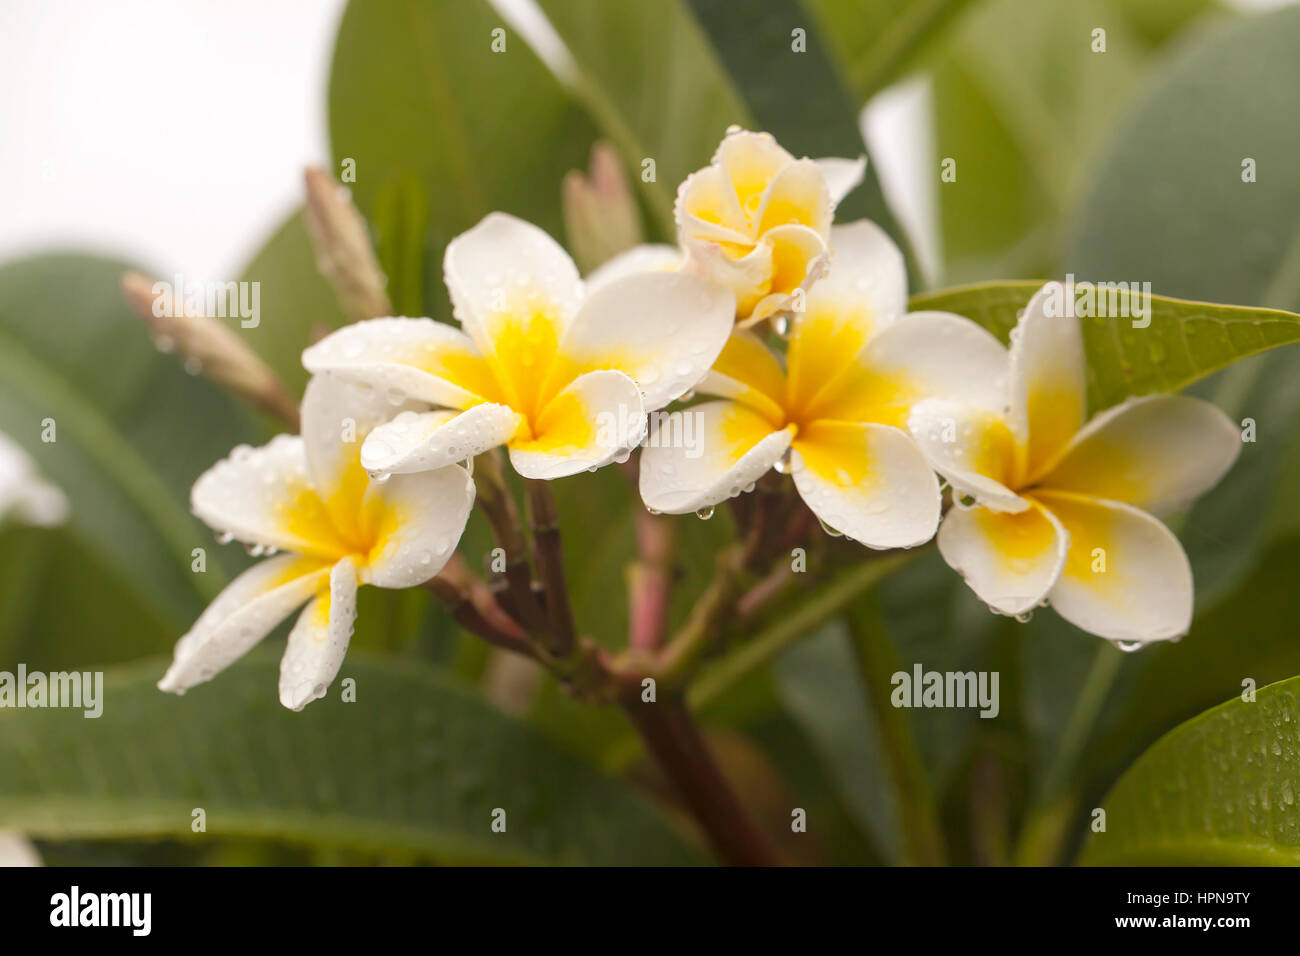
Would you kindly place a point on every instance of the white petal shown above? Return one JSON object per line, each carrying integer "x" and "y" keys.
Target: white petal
{"x": 24, "y": 495}
{"x": 707, "y": 453}
{"x": 424, "y": 517}
{"x": 252, "y": 496}
{"x": 419, "y": 358}
{"x": 799, "y": 256}
{"x": 501, "y": 263}
{"x": 662, "y": 329}
{"x": 922, "y": 355}
{"x": 319, "y": 641}
{"x": 749, "y": 372}
{"x": 1049, "y": 389}
{"x": 1010, "y": 561}
{"x": 655, "y": 257}
{"x": 1126, "y": 578}
{"x": 424, "y": 441}
{"x": 1157, "y": 453}
{"x": 596, "y": 418}
{"x": 751, "y": 161}
{"x": 798, "y": 195}
{"x": 748, "y": 277}
{"x": 241, "y": 615}
{"x": 337, "y": 415}
{"x": 842, "y": 175}
{"x": 866, "y": 282}
{"x": 869, "y": 482}
{"x": 972, "y": 447}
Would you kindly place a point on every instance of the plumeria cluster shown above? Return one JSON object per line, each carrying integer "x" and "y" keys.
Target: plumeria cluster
{"x": 797, "y": 331}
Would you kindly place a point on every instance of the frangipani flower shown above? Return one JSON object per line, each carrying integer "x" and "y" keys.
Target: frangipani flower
{"x": 1062, "y": 505}
{"x": 561, "y": 374}
{"x": 308, "y": 496}
{"x": 837, "y": 407}
{"x": 758, "y": 220}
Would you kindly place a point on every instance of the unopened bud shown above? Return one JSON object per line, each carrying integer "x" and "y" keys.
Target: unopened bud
{"x": 600, "y": 212}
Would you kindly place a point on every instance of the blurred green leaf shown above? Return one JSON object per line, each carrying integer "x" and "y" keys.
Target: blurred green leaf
{"x": 132, "y": 431}
{"x": 649, "y": 78}
{"x": 297, "y": 304}
{"x": 1185, "y": 341}
{"x": 1218, "y": 790}
{"x": 1168, "y": 204}
{"x": 877, "y": 39}
{"x": 1022, "y": 104}
{"x": 415, "y": 763}
{"x": 418, "y": 94}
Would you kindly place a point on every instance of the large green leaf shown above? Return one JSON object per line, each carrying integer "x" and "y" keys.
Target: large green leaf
{"x": 433, "y": 117}
{"x": 649, "y": 78}
{"x": 1220, "y": 789}
{"x": 415, "y": 763}
{"x": 132, "y": 432}
{"x": 1184, "y": 342}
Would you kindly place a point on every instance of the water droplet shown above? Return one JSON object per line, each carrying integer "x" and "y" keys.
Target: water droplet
{"x": 704, "y": 514}
{"x": 224, "y": 537}
{"x": 829, "y": 530}
{"x": 379, "y": 477}
{"x": 687, "y": 395}
{"x": 193, "y": 366}
{"x": 783, "y": 464}
{"x": 164, "y": 343}
{"x": 1024, "y": 617}
{"x": 781, "y": 325}
{"x": 1128, "y": 647}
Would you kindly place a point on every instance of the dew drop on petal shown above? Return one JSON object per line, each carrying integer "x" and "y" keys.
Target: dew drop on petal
{"x": 704, "y": 514}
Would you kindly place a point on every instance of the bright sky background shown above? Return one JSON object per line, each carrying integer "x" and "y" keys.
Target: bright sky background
{"x": 173, "y": 133}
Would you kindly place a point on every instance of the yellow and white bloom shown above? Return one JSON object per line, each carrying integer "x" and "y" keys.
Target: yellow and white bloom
{"x": 26, "y": 497}
{"x": 837, "y": 407}
{"x": 1061, "y": 512}
{"x": 561, "y": 373}
{"x": 758, "y": 220}
{"x": 308, "y": 496}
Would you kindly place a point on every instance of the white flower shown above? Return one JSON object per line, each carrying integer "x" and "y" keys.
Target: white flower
{"x": 25, "y": 497}
{"x": 1062, "y": 505}
{"x": 837, "y": 407}
{"x": 561, "y": 374}
{"x": 758, "y": 220}
{"x": 308, "y": 496}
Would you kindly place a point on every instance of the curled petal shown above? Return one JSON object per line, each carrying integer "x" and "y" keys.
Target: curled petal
{"x": 241, "y": 615}
{"x": 869, "y": 482}
{"x": 707, "y": 208}
{"x": 1157, "y": 453}
{"x": 1126, "y": 578}
{"x": 1010, "y": 561}
{"x": 425, "y": 441}
{"x": 319, "y": 640}
{"x": 662, "y": 329}
{"x": 596, "y": 418}
{"x": 420, "y": 358}
{"x": 422, "y": 519}
{"x": 799, "y": 256}
{"x": 705, "y": 454}
{"x": 797, "y": 195}
{"x": 1049, "y": 389}
{"x": 751, "y": 161}
{"x": 972, "y": 447}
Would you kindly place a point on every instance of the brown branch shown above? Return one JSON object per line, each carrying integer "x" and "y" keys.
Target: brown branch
{"x": 473, "y": 606}
{"x": 548, "y": 553}
{"x": 673, "y": 739}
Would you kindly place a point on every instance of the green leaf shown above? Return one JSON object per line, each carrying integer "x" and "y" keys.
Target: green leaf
{"x": 132, "y": 431}
{"x": 1184, "y": 342}
{"x": 649, "y": 78}
{"x": 1168, "y": 203}
{"x": 1220, "y": 789}
{"x": 297, "y": 303}
{"x": 795, "y": 96}
{"x": 417, "y": 94}
{"x": 415, "y": 763}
